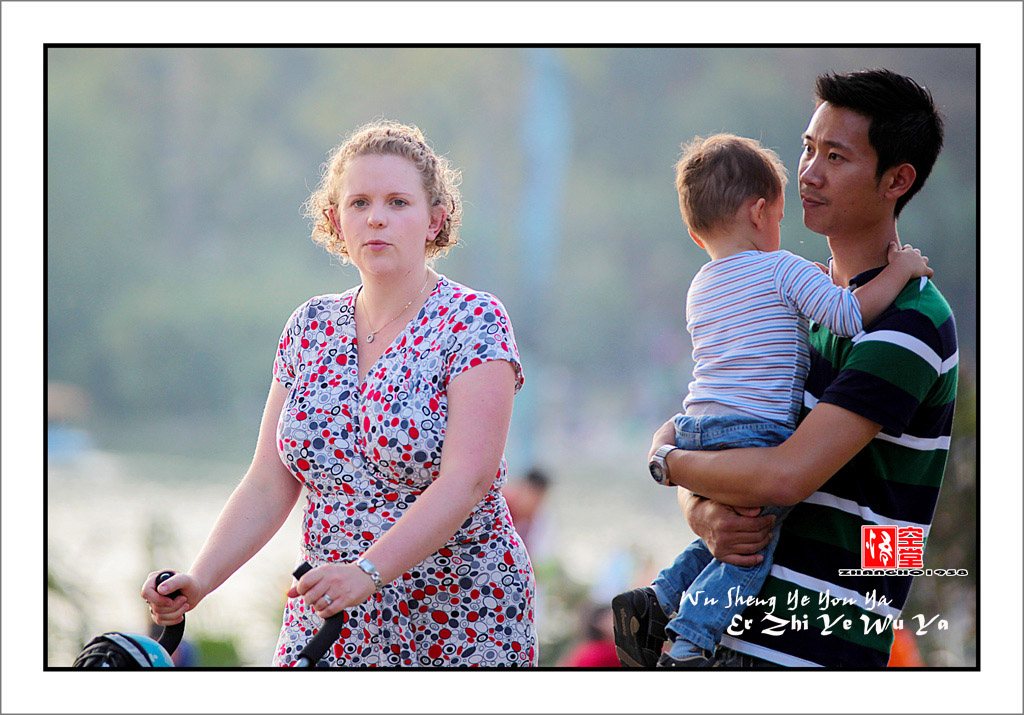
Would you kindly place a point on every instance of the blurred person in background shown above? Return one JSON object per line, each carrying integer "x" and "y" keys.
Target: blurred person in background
{"x": 904, "y": 652}
{"x": 527, "y": 502}
{"x": 877, "y": 409}
{"x": 390, "y": 403}
{"x": 597, "y": 647}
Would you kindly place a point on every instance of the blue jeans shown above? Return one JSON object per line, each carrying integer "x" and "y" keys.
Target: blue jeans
{"x": 712, "y": 587}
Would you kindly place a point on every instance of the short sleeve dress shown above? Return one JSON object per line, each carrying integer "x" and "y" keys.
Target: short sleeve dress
{"x": 365, "y": 451}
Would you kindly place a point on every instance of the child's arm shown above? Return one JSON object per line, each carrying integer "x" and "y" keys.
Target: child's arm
{"x": 808, "y": 291}
{"x": 905, "y": 262}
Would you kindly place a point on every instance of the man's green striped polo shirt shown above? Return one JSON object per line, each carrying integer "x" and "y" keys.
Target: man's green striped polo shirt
{"x": 900, "y": 372}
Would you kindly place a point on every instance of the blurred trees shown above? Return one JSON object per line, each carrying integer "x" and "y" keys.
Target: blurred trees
{"x": 176, "y": 248}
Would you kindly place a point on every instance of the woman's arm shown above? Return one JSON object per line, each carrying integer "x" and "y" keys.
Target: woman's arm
{"x": 253, "y": 514}
{"x": 479, "y": 412}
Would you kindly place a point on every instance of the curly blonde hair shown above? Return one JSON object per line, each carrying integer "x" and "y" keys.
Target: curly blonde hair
{"x": 384, "y": 137}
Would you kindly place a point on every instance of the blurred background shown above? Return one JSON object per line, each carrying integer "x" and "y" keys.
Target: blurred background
{"x": 176, "y": 250}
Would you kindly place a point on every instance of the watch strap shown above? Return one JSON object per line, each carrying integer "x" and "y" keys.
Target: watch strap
{"x": 663, "y": 451}
{"x": 367, "y": 567}
{"x": 660, "y": 458}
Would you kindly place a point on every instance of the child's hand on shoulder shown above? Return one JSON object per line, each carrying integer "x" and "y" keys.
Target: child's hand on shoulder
{"x": 909, "y": 259}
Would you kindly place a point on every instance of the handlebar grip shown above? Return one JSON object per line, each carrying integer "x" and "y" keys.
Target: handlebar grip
{"x": 323, "y": 640}
{"x": 326, "y": 636}
{"x": 171, "y": 635}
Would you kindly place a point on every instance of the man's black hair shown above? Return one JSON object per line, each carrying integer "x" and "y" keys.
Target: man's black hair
{"x": 905, "y": 128}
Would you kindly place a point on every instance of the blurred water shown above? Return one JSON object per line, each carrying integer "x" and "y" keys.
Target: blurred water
{"x": 609, "y": 530}
{"x": 102, "y": 511}
{"x": 114, "y": 517}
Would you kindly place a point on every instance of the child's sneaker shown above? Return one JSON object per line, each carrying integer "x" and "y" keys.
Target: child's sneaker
{"x": 701, "y": 659}
{"x": 639, "y": 624}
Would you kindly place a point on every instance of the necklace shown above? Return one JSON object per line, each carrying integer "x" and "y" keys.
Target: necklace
{"x": 373, "y": 333}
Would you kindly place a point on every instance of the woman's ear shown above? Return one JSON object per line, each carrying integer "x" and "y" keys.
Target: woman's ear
{"x": 331, "y": 212}
{"x": 437, "y": 217}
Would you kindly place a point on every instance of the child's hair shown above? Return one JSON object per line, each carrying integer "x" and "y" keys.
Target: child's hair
{"x": 384, "y": 138}
{"x": 716, "y": 174}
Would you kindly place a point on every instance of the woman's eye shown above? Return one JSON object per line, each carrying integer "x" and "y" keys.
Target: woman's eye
{"x": 359, "y": 202}
{"x": 834, "y": 157}
{"x": 400, "y": 202}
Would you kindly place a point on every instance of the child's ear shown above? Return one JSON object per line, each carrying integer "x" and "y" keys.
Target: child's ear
{"x": 759, "y": 213}
{"x": 696, "y": 239}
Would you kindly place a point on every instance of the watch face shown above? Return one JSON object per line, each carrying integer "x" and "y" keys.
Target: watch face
{"x": 657, "y": 472}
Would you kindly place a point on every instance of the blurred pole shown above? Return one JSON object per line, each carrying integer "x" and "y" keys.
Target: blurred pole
{"x": 546, "y": 137}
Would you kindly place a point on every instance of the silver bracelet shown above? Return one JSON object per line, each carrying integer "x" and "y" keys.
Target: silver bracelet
{"x": 367, "y": 567}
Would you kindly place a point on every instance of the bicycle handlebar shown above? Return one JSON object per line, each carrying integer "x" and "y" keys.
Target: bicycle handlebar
{"x": 171, "y": 635}
{"x": 324, "y": 638}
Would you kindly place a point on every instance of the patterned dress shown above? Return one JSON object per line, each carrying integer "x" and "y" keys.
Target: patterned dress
{"x": 365, "y": 451}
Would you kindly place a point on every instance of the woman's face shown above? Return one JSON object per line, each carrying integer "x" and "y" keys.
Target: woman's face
{"x": 384, "y": 215}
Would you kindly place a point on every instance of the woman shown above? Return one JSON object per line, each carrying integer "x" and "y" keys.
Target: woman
{"x": 402, "y": 383}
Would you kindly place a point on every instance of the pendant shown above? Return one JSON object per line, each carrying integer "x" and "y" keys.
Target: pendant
{"x": 369, "y": 338}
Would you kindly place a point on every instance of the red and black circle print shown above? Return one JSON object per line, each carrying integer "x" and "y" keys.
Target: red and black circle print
{"x": 365, "y": 451}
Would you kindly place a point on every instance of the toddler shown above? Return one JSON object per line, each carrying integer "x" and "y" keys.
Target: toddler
{"x": 747, "y": 311}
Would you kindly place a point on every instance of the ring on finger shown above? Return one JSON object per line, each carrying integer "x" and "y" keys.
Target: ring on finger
{"x": 328, "y": 599}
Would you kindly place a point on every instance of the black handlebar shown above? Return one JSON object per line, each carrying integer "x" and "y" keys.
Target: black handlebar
{"x": 171, "y": 636}
{"x": 308, "y": 658}
{"x": 324, "y": 638}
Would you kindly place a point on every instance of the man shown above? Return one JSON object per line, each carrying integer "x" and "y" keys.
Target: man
{"x": 871, "y": 448}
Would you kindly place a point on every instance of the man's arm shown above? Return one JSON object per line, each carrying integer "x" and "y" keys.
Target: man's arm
{"x": 784, "y": 475}
{"x": 734, "y": 535}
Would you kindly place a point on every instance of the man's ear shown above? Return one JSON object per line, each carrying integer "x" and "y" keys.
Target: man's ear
{"x": 696, "y": 239}
{"x": 898, "y": 180}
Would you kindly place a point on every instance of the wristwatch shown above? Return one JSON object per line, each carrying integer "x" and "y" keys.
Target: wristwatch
{"x": 659, "y": 464}
{"x": 367, "y": 567}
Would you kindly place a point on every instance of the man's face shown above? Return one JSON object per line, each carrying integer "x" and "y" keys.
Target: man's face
{"x": 838, "y": 189}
